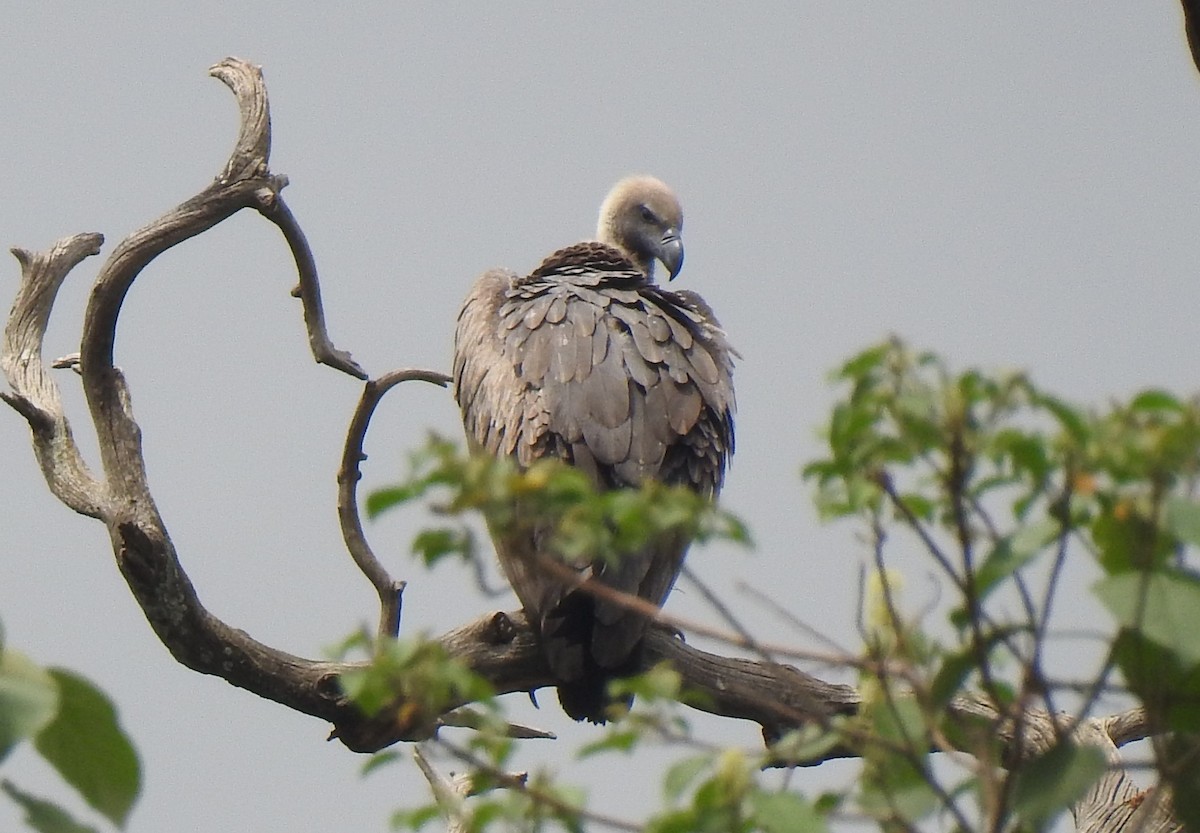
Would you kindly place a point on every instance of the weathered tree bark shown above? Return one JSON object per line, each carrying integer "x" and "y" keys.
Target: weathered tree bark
{"x": 500, "y": 646}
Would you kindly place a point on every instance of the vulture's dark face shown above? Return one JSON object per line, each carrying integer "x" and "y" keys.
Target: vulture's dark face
{"x": 642, "y": 216}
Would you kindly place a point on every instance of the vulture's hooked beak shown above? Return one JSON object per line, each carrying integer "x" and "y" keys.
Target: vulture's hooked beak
{"x": 670, "y": 252}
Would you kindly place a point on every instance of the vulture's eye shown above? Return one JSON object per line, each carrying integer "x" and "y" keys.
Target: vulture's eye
{"x": 648, "y": 215}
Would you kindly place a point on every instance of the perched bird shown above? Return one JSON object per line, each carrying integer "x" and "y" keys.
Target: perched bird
{"x": 586, "y": 359}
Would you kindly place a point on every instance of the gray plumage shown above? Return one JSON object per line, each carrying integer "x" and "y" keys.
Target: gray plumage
{"x": 586, "y": 359}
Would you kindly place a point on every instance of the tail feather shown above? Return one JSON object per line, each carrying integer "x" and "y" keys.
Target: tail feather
{"x": 567, "y": 636}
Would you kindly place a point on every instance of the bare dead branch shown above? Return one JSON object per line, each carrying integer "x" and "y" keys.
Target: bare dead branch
{"x": 503, "y": 648}
{"x": 123, "y": 501}
{"x": 34, "y": 393}
{"x": 1115, "y": 803}
{"x": 1128, "y": 726}
{"x": 253, "y": 146}
{"x": 308, "y": 290}
{"x": 520, "y": 782}
{"x": 249, "y": 162}
{"x": 467, "y": 718}
{"x": 450, "y": 793}
{"x": 350, "y": 473}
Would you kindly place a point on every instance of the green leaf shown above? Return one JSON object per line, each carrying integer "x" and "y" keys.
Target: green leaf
{"x": 829, "y": 802}
{"x": 659, "y": 682}
{"x": 1027, "y": 452}
{"x": 1049, "y": 784}
{"x": 1180, "y": 764}
{"x": 1071, "y": 419}
{"x": 951, "y": 676}
{"x": 1010, "y": 554}
{"x": 435, "y": 544}
{"x": 682, "y": 774}
{"x": 864, "y": 362}
{"x": 677, "y": 821}
{"x": 921, "y": 506}
{"x": 381, "y": 500}
{"x": 42, "y": 815}
{"x": 1183, "y": 520}
{"x": 895, "y": 785}
{"x": 900, "y": 721}
{"x": 897, "y": 790}
{"x": 806, "y": 745}
{"x": 1169, "y": 692}
{"x": 28, "y": 699}
{"x": 417, "y": 818}
{"x": 1164, "y": 605}
{"x": 378, "y": 761}
{"x": 1155, "y": 400}
{"x": 614, "y": 740}
{"x": 417, "y": 677}
{"x": 785, "y": 812}
{"x": 1127, "y": 541}
{"x": 86, "y": 745}
{"x": 1014, "y": 552}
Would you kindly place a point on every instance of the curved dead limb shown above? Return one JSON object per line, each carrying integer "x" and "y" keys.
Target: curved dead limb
{"x": 500, "y": 647}
{"x": 349, "y": 474}
{"x": 35, "y": 395}
{"x": 122, "y": 500}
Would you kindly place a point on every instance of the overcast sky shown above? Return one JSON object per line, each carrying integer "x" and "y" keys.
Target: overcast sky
{"x": 1013, "y": 184}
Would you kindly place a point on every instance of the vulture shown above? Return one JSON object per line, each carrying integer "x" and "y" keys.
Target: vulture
{"x": 588, "y": 360}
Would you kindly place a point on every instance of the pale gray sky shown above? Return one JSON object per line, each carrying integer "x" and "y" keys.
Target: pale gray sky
{"x": 1010, "y": 183}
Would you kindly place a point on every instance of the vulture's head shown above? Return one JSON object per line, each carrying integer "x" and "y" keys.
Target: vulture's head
{"x": 642, "y": 217}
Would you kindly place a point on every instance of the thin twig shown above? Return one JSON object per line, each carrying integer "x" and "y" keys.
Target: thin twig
{"x": 480, "y": 572}
{"x": 309, "y": 289}
{"x": 466, "y": 718}
{"x": 791, "y": 618}
{"x": 390, "y": 591}
{"x": 450, "y": 794}
{"x": 884, "y": 481}
{"x": 656, "y": 614}
{"x": 725, "y": 612}
{"x": 535, "y": 794}
{"x": 1042, "y": 623}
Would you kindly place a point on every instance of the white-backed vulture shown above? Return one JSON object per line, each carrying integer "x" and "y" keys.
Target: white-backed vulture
{"x": 586, "y": 359}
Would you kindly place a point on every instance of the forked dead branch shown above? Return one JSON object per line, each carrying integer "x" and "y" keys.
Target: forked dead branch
{"x": 500, "y": 646}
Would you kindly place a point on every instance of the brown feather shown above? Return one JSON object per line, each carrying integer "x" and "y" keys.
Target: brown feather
{"x": 585, "y": 358}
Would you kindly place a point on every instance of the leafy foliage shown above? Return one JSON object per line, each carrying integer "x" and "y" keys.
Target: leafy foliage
{"x": 86, "y": 745}
{"x": 998, "y": 480}
{"x": 74, "y": 727}
{"x": 998, "y": 483}
{"x": 587, "y": 522}
{"x": 28, "y": 699}
{"x": 1054, "y": 780}
{"x": 42, "y": 815}
{"x": 414, "y": 677}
